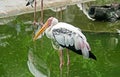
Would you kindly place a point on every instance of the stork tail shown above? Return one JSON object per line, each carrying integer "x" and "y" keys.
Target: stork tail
{"x": 91, "y": 55}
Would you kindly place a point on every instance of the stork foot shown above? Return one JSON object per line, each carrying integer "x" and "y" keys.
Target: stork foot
{"x": 61, "y": 64}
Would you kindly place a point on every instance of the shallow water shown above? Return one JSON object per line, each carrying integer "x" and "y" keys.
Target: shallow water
{"x": 21, "y": 57}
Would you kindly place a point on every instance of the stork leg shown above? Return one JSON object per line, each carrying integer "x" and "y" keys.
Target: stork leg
{"x": 61, "y": 58}
{"x": 34, "y": 22}
{"x": 61, "y": 12}
{"x": 41, "y": 19}
{"x": 68, "y": 57}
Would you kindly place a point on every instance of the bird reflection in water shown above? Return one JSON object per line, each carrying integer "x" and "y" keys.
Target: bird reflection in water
{"x": 33, "y": 65}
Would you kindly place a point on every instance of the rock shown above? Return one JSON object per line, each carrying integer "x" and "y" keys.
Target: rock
{"x": 106, "y": 12}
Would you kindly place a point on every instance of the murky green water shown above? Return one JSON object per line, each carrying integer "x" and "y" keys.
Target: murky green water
{"x": 18, "y": 51}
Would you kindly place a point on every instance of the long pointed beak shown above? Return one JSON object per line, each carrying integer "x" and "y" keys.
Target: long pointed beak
{"x": 41, "y": 31}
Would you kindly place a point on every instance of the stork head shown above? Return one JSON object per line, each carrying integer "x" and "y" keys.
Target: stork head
{"x": 49, "y": 23}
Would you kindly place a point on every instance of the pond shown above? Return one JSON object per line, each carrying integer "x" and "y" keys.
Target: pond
{"x": 21, "y": 57}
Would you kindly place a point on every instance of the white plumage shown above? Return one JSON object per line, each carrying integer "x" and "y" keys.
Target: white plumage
{"x": 66, "y": 36}
{"x": 69, "y": 35}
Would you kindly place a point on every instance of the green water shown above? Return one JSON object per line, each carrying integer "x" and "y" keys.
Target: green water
{"x": 16, "y": 46}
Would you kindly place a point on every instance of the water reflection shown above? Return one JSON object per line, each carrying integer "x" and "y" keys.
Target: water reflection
{"x": 3, "y": 37}
{"x": 18, "y": 29}
{"x": 69, "y": 14}
{"x": 107, "y": 50}
{"x": 37, "y": 66}
{"x": 118, "y": 31}
{"x": 43, "y": 60}
{"x": 68, "y": 70}
{"x": 65, "y": 72}
{"x": 112, "y": 43}
{"x": 61, "y": 72}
